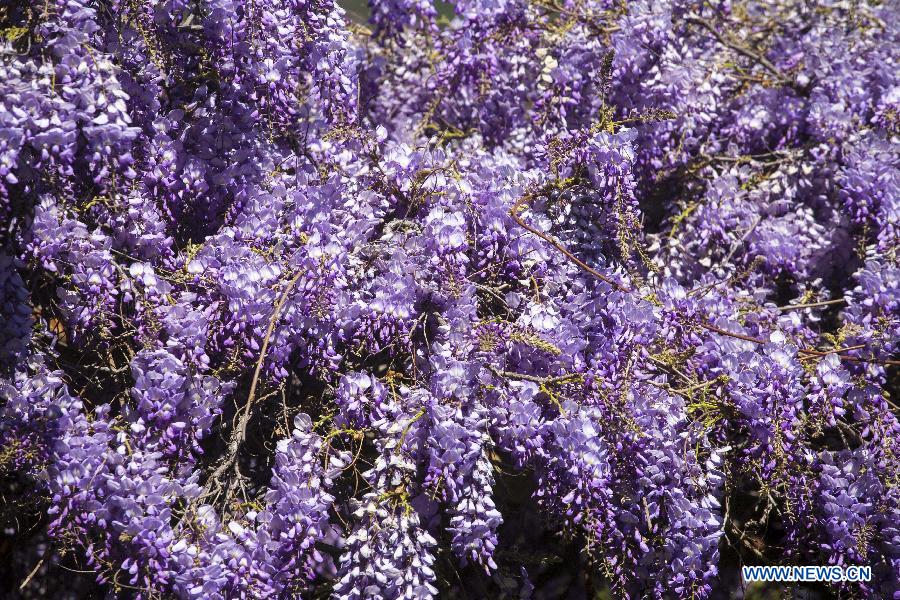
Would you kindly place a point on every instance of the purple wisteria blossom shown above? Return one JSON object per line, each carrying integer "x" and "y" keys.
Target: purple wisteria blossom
{"x": 481, "y": 299}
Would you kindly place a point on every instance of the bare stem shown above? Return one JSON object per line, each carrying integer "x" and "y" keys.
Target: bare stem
{"x": 739, "y": 48}
{"x": 240, "y": 431}
{"x": 813, "y": 304}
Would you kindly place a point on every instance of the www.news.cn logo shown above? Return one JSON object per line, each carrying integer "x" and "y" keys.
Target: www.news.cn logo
{"x": 833, "y": 574}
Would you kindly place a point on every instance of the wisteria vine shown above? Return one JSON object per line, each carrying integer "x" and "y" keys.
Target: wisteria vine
{"x": 297, "y": 306}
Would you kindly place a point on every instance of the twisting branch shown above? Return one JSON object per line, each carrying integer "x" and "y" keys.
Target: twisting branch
{"x": 671, "y": 368}
{"x": 36, "y": 568}
{"x": 514, "y": 213}
{"x": 544, "y": 383}
{"x": 567, "y": 378}
{"x": 240, "y": 430}
{"x": 813, "y": 304}
{"x": 806, "y": 351}
{"x": 588, "y": 20}
{"x": 740, "y": 49}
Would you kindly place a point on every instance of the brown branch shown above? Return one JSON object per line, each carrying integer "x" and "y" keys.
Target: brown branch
{"x": 34, "y": 571}
{"x": 740, "y": 49}
{"x": 240, "y": 430}
{"x": 672, "y": 368}
{"x": 582, "y": 18}
{"x": 532, "y": 378}
{"x": 708, "y": 326}
{"x": 740, "y": 336}
{"x": 813, "y": 304}
{"x": 514, "y": 213}
{"x": 807, "y": 351}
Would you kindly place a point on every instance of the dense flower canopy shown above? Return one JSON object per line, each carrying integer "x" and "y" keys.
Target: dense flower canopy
{"x": 518, "y": 298}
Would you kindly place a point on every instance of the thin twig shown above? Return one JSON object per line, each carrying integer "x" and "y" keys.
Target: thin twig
{"x": 742, "y": 50}
{"x": 34, "y": 571}
{"x": 514, "y": 213}
{"x": 697, "y": 386}
{"x": 807, "y": 351}
{"x": 240, "y": 431}
{"x": 532, "y": 378}
{"x": 673, "y": 368}
{"x": 813, "y": 304}
{"x": 740, "y": 242}
{"x": 585, "y": 19}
